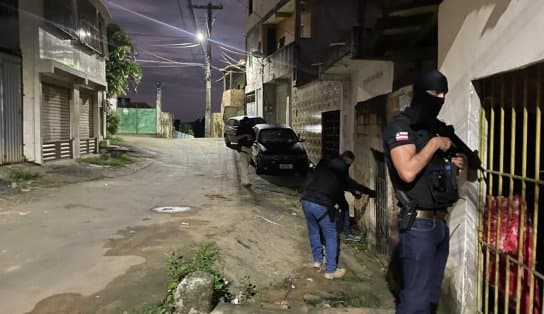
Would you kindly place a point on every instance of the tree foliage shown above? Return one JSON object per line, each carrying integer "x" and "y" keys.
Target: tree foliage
{"x": 112, "y": 122}
{"x": 121, "y": 67}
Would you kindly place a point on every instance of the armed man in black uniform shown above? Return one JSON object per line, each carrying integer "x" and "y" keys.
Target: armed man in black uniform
{"x": 424, "y": 176}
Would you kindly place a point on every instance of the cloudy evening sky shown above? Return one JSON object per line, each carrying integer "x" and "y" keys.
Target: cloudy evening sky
{"x": 184, "y": 87}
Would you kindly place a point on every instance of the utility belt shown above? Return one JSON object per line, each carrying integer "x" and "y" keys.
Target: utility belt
{"x": 409, "y": 212}
{"x": 407, "y": 216}
{"x": 440, "y": 214}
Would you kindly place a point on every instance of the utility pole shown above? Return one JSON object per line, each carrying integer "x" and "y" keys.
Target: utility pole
{"x": 208, "y": 50}
{"x": 158, "y": 105}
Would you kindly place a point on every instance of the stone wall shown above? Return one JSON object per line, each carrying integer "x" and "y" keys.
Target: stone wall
{"x": 371, "y": 117}
{"x": 166, "y": 125}
{"x": 232, "y": 104}
{"x": 309, "y": 101}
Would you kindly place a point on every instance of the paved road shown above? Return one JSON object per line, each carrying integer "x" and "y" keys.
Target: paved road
{"x": 96, "y": 247}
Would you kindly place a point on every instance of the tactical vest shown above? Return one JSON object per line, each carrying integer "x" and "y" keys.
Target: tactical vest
{"x": 436, "y": 185}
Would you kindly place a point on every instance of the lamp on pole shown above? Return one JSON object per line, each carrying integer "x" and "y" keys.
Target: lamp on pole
{"x": 204, "y": 39}
{"x": 208, "y": 77}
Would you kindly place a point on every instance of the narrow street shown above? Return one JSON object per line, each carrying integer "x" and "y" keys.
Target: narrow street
{"x": 96, "y": 247}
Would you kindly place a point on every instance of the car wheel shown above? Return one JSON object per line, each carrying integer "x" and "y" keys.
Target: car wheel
{"x": 227, "y": 142}
{"x": 258, "y": 169}
{"x": 303, "y": 171}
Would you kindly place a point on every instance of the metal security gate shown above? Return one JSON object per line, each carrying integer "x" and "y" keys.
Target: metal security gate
{"x": 87, "y": 142}
{"x": 382, "y": 210}
{"x": 137, "y": 121}
{"x": 330, "y": 133}
{"x": 11, "y": 111}
{"x": 282, "y": 95}
{"x": 511, "y": 259}
{"x": 55, "y": 124}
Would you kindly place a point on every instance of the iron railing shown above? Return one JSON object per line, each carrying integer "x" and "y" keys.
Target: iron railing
{"x": 510, "y": 278}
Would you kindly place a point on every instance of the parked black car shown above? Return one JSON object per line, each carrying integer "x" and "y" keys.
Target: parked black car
{"x": 278, "y": 149}
{"x": 232, "y": 126}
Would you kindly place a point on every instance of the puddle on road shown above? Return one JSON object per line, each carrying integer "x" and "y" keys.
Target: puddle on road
{"x": 171, "y": 209}
{"x": 143, "y": 283}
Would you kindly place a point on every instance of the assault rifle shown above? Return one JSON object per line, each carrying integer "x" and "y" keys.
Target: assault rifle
{"x": 442, "y": 129}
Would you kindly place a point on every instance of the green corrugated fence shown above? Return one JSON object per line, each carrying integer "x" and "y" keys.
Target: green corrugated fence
{"x": 137, "y": 121}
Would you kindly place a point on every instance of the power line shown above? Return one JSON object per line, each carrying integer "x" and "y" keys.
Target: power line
{"x": 179, "y": 46}
{"x": 232, "y": 51}
{"x": 179, "y": 29}
{"x": 156, "y": 36}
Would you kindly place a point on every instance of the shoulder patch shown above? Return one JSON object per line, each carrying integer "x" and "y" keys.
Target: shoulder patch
{"x": 401, "y": 136}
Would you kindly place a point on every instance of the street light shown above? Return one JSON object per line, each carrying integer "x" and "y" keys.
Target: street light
{"x": 206, "y": 47}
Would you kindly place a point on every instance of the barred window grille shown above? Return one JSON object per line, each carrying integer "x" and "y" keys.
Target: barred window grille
{"x": 511, "y": 257}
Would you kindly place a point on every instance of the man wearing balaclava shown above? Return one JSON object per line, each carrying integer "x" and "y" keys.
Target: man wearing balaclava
{"x": 426, "y": 177}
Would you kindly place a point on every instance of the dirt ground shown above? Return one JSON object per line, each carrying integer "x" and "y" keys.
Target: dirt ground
{"x": 91, "y": 244}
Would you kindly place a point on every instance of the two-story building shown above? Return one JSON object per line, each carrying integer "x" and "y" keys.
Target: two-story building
{"x": 270, "y": 64}
{"x": 11, "y": 118}
{"x": 290, "y": 44}
{"x": 234, "y": 82}
{"x": 63, "y": 48}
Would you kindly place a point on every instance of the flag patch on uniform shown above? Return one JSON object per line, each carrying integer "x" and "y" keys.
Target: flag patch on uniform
{"x": 401, "y": 136}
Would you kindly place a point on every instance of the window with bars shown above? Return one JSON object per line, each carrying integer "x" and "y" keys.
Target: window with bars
{"x": 90, "y": 26}
{"x": 61, "y": 14}
{"x": 79, "y": 19}
{"x": 511, "y": 260}
{"x": 9, "y": 20}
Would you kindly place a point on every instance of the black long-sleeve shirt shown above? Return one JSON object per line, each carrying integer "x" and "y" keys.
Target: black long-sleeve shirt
{"x": 326, "y": 185}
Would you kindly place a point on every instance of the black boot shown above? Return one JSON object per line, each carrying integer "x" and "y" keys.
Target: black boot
{"x": 434, "y": 308}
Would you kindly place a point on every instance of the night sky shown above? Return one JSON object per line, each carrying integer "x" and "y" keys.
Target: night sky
{"x": 183, "y": 88}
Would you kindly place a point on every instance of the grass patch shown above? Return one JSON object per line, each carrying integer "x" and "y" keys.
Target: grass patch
{"x": 149, "y": 309}
{"x": 248, "y": 290}
{"x": 292, "y": 203}
{"x": 20, "y": 175}
{"x": 115, "y": 138}
{"x": 178, "y": 267}
{"x": 361, "y": 246}
{"x": 103, "y": 160}
{"x": 357, "y": 298}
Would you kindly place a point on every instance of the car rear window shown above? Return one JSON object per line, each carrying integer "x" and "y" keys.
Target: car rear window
{"x": 256, "y": 121}
{"x": 272, "y": 136}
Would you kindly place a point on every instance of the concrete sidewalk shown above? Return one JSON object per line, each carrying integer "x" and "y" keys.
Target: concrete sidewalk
{"x": 298, "y": 309}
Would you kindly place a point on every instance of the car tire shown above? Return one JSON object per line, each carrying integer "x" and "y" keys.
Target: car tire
{"x": 258, "y": 169}
{"x": 303, "y": 171}
{"x": 227, "y": 142}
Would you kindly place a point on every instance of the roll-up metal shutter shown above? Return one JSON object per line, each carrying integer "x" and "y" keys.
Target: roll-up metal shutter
{"x": 55, "y": 124}
{"x": 86, "y": 123}
{"x": 11, "y": 119}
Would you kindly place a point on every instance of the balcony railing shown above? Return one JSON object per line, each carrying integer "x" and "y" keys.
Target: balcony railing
{"x": 280, "y": 64}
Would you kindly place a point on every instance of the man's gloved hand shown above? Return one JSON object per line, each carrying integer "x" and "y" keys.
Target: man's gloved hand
{"x": 357, "y": 194}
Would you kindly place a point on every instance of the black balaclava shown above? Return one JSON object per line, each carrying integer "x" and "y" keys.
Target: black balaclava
{"x": 425, "y": 107}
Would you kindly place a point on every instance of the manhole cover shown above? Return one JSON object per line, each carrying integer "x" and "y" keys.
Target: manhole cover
{"x": 171, "y": 209}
